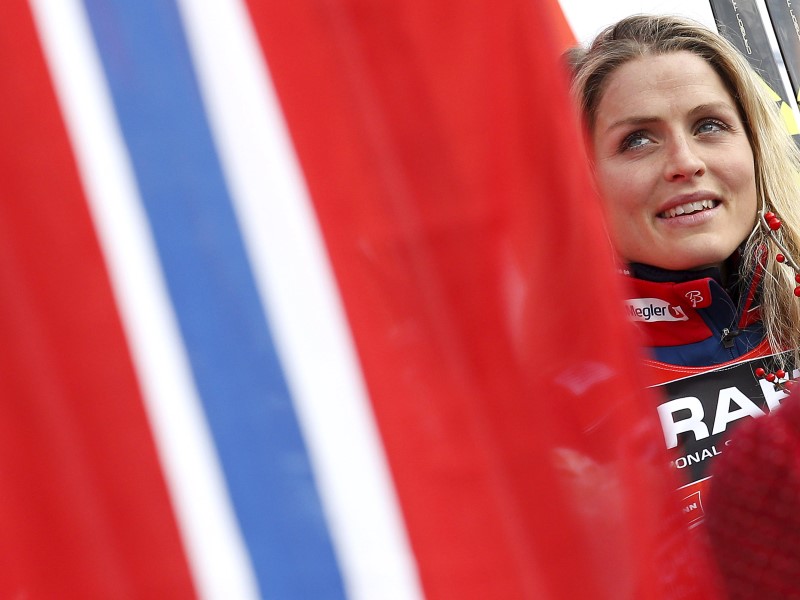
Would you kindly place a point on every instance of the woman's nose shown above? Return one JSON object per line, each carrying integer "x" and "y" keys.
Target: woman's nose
{"x": 683, "y": 161}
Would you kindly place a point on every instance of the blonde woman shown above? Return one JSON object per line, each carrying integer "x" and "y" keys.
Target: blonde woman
{"x": 699, "y": 182}
{"x": 698, "y": 176}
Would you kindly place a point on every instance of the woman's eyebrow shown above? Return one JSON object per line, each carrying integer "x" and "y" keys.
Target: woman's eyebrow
{"x": 635, "y": 121}
{"x": 712, "y": 107}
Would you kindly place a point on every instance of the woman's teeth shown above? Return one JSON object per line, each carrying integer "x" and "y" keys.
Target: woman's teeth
{"x": 688, "y": 208}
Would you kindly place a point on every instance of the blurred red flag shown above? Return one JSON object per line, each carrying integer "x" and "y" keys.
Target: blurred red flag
{"x": 440, "y": 150}
{"x": 445, "y": 165}
{"x": 84, "y": 510}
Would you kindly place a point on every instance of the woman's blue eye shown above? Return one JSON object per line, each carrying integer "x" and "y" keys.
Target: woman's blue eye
{"x": 711, "y": 126}
{"x": 635, "y": 140}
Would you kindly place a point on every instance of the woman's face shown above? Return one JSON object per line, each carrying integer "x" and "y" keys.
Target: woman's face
{"x": 673, "y": 163}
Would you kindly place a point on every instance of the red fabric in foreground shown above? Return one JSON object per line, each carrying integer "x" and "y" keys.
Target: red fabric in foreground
{"x": 753, "y": 507}
{"x": 441, "y": 154}
{"x": 84, "y": 511}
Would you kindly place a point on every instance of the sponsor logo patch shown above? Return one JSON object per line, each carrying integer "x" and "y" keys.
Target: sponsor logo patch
{"x": 650, "y": 310}
{"x": 693, "y": 507}
{"x": 695, "y": 297}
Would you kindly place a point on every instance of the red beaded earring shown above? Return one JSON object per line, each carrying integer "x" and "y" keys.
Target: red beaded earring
{"x": 776, "y": 379}
{"x": 772, "y": 224}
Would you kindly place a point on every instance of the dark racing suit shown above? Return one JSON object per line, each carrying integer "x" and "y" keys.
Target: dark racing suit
{"x": 698, "y": 333}
{"x": 694, "y": 325}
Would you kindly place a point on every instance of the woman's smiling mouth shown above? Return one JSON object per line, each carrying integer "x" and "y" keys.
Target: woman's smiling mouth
{"x": 688, "y": 208}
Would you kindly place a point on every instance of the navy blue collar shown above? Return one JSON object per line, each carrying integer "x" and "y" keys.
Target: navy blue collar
{"x": 659, "y": 275}
{"x": 732, "y": 284}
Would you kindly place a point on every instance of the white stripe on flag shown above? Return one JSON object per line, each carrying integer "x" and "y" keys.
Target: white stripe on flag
{"x": 303, "y": 306}
{"x": 215, "y": 550}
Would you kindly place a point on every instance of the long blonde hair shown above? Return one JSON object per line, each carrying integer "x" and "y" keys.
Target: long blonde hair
{"x": 776, "y": 157}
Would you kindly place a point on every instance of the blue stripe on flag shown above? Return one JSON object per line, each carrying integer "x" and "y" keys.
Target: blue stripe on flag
{"x": 235, "y": 365}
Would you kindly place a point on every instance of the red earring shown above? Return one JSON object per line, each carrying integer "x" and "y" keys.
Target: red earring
{"x": 775, "y": 379}
{"x": 772, "y": 224}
